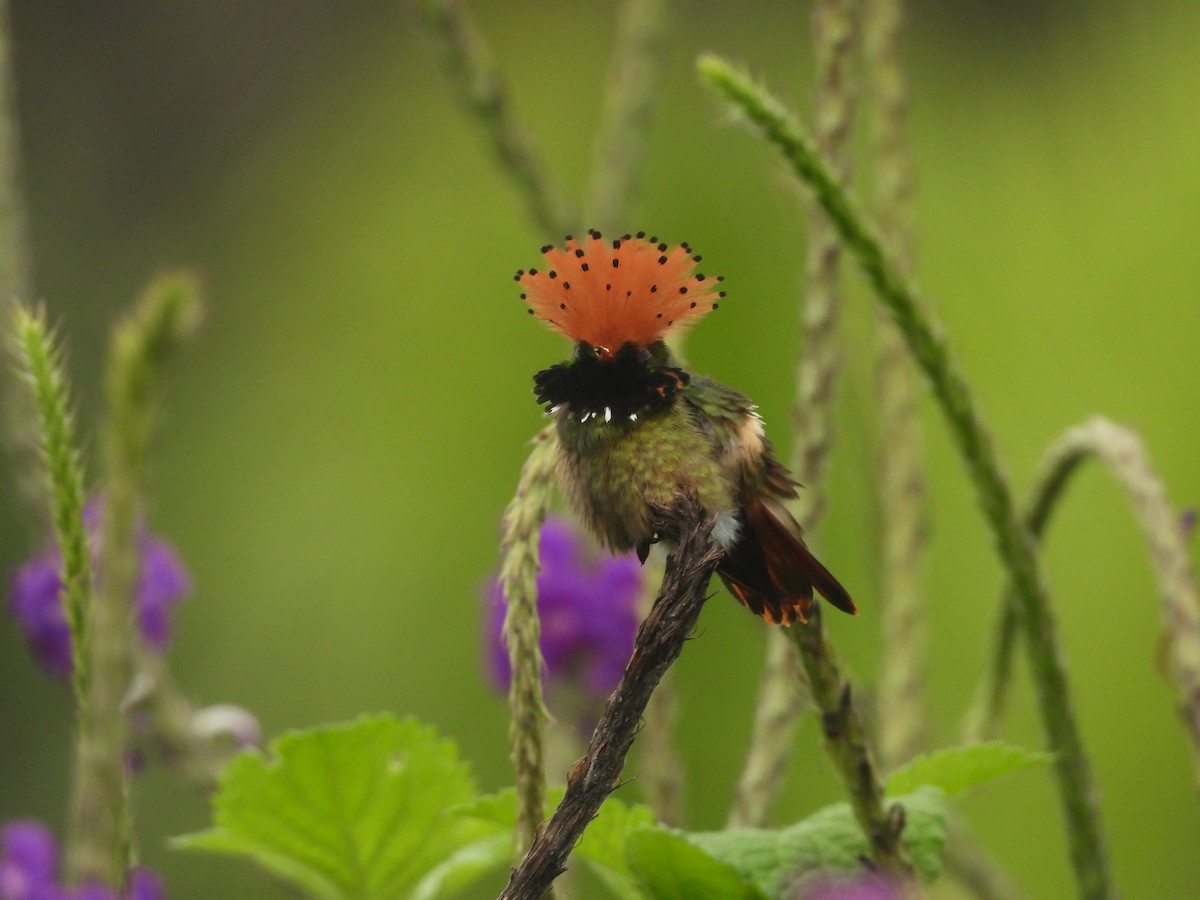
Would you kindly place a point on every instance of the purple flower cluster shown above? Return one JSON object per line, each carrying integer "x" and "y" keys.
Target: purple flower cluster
{"x": 36, "y": 603}
{"x": 29, "y": 870}
{"x": 589, "y": 616}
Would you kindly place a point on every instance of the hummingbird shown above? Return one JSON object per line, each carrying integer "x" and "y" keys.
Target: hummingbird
{"x": 638, "y": 433}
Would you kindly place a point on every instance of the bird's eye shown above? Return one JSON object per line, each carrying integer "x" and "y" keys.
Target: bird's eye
{"x": 644, "y": 356}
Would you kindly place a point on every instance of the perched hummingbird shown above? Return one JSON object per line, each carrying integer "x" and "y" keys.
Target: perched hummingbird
{"x": 638, "y": 434}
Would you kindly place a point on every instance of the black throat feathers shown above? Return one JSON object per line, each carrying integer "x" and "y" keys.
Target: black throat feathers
{"x": 603, "y": 385}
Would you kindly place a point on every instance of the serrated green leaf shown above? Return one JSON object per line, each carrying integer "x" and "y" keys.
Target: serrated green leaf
{"x": 603, "y": 845}
{"x": 956, "y": 769}
{"x": 827, "y": 840}
{"x": 668, "y": 866}
{"x": 350, "y": 811}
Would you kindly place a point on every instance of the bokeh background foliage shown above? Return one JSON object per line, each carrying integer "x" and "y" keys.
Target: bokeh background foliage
{"x": 341, "y": 440}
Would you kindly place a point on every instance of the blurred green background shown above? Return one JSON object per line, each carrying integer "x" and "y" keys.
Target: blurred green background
{"x": 342, "y": 438}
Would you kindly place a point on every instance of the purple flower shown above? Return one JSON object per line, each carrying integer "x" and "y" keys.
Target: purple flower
{"x": 28, "y": 860}
{"x": 870, "y": 886}
{"x": 29, "y": 864}
{"x": 589, "y": 617}
{"x": 36, "y": 604}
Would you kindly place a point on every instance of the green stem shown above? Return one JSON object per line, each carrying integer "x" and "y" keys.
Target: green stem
{"x": 14, "y": 241}
{"x": 1121, "y": 452}
{"x": 100, "y": 849}
{"x": 21, "y": 428}
{"x": 901, "y": 486}
{"x": 970, "y": 866}
{"x": 522, "y": 631}
{"x": 483, "y": 93}
{"x": 846, "y": 742}
{"x": 1013, "y": 543}
{"x": 982, "y": 721}
{"x": 630, "y": 103}
{"x": 195, "y": 743}
{"x": 835, "y": 35}
{"x": 835, "y": 38}
{"x": 781, "y": 702}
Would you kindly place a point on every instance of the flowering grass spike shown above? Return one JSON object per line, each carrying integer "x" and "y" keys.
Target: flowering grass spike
{"x": 640, "y": 435}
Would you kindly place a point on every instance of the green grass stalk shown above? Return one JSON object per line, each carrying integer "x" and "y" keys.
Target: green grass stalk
{"x": 100, "y": 827}
{"x": 846, "y": 743}
{"x": 901, "y": 712}
{"x": 1078, "y": 795}
{"x": 14, "y": 240}
{"x": 482, "y": 91}
{"x": 1121, "y": 452}
{"x": 630, "y": 104}
{"x": 835, "y": 38}
{"x": 519, "y": 568}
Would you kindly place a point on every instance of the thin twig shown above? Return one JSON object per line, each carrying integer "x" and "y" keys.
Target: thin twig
{"x": 1121, "y": 452}
{"x": 1077, "y": 791}
{"x": 659, "y": 642}
{"x": 835, "y": 39}
{"x": 482, "y": 91}
{"x": 194, "y": 743}
{"x": 846, "y": 743}
{"x": 630, "y": 102}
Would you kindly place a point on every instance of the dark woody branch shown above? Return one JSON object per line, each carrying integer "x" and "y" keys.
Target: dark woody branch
{"x": 659, "y": 642}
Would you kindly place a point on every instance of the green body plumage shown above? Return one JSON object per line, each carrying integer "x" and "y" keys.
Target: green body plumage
{"x": 622, "y": 474}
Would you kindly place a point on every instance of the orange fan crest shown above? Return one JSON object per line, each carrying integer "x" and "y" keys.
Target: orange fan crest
{"x": 609, "y": 293}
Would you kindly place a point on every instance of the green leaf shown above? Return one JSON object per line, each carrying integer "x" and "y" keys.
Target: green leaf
{"x": 955, "y": 769}
{"x": 492, "y": 819}
{"x": 603, "y": 847}
{"x": 669, "y": 867}
{"x": 464, "y": 866}
{"x": 362, "y": 810}
{"x": 924, "y": 830}
{"x": 830, "y": 839}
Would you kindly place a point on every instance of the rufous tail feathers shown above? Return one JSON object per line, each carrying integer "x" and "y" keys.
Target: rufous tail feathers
{"x": 771, "y": 571}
